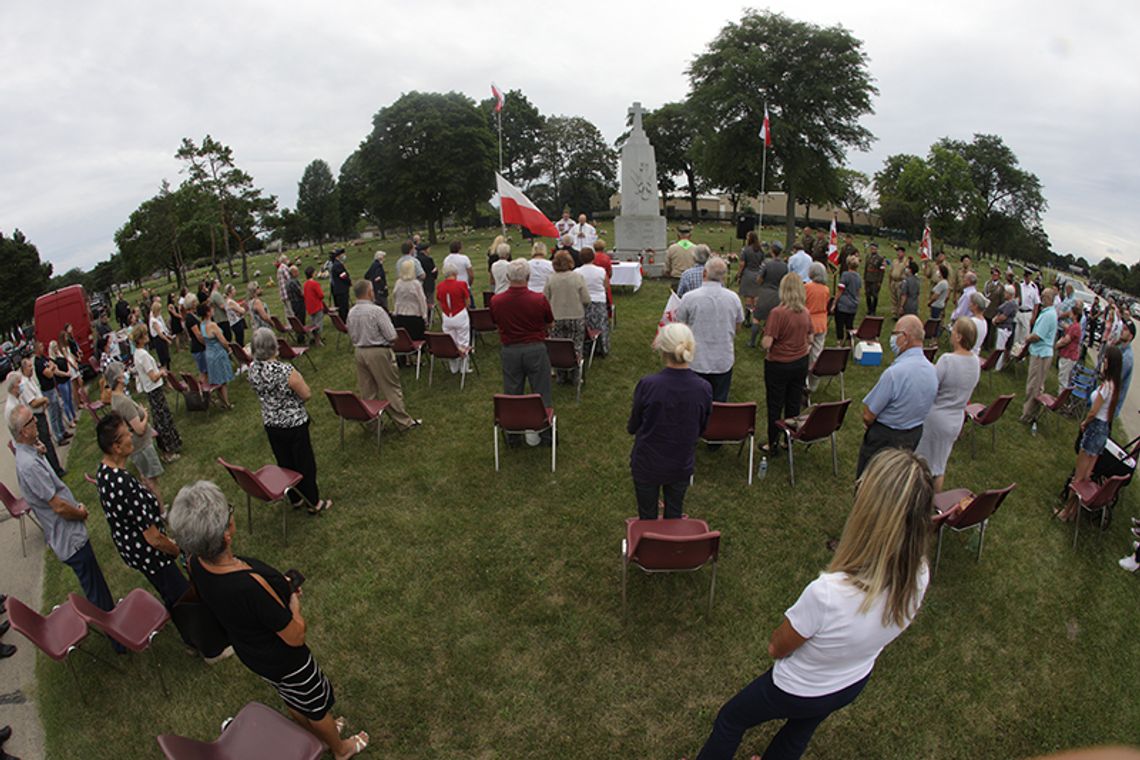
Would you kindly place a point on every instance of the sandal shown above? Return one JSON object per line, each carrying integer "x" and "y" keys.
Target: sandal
{"x": 359, "y": 744}
{"x": 324, "y": 505}
{"x": 340, "y": 723}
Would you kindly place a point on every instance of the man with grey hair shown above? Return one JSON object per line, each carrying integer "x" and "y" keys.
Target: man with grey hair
{"x": 33, "y": 398}
{"x": 714, "y": 313}
{"x": 693, "y": 277}
{"x": 1039, "y": 343}
{"x": 372, "y": 333}
{"x": 499, "y": 268}
{"x": 12, "y": 393}
{"x": 962, "y": 309}
{"x": 56, "y": 509}
{"x": 523, "y": 317}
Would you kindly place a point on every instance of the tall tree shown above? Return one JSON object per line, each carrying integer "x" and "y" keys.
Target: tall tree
{"x": 522, "y": 136}
{"x": 22, "y": 279}
{"x": 581, "y": 168}
{"x": 853, "y": 188}
{"x": 429, "y": 155}
{"x": 941, "y": 187}
{"x": 815, "y": 82}
{"x": 897, "y": 211}
{"x": 673, "y": 129}
{"x": 317, "y": 202}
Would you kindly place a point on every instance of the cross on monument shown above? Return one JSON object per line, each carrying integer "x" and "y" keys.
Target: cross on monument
{"x": 635, "y": 111}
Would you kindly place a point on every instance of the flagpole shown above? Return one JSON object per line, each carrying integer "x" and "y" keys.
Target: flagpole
{"x": 499, "y": 119}
{"x": 763, "y": 179}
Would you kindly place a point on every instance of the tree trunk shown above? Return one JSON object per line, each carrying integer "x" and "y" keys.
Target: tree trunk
{"x": 213, "y": 248}
{"x": 693, "y": 194}
{"x": 807, "y": 213}
{"x": 789, "y": 218}
{"x": 431, "y": 231}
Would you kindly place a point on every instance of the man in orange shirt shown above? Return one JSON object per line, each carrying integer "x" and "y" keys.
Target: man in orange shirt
{"x": 314, "y": 304}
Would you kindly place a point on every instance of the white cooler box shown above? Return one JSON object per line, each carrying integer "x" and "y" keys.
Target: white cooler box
{"x": 868, "y": 353}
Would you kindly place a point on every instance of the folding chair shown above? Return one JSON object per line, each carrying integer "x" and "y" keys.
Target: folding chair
{"x": 278, "y": 325}
{"x": 243, "y": 358}
{"x": 405, "y": 346}
{"x": 1055, "y": 404}
{"x": 202, "y": 389}
{"x": 338, "y": 323}
{"x": 257, "y": 731}
{"x": 869, "y": 329}
{"x": 134, "y": 622}
{"x": 989, "y": 366}
{"x": 563, "y": 356}
{"x": 302, "y": 329}
{"x": 178, "y": 387}
{"x": 348, "y": 406}
{"x": 832, "y": 362}
{"x": 268, "y": 484}
{"x": 733, "y": 423}
{"x": 487, "y": 296}
{"x": 669, "y": 546}
{"x": 592, "y": 335}
{"x": 1083, "y": 382}
{"x": 57, "y": 635}
{"x": 522, "y": 414}
{"x": 481, "y": 322}
{"x": 930, "y": 329}
{"x": 291, "y": 353}
{"x": 822, "y": 422}
{"x": 986, "y": 416}
{"x": 1095, "y": 497}
{"x": 94, "y": 408}
{"x": 974, "y": 513}
{"x": 18, "y": 508}
{"x": 442, "y": 346}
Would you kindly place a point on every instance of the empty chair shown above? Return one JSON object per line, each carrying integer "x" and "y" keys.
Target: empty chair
{"x": 289, "y": 353}
{"x": 178, "y": 387}
{"x": 134, "y": 622}
{"x": 987, "y": 416}
{"x": 669, "y": 546}
{"x": 960, "y": 510}
{"x": 300, "y": 328}
{"x": 989, "y": 366}
{"x": 822, "y": 422}
{"x": 1095, "y": 497}
{"x": 200, "y": 389}
{"x": 1055, "y": 404}
{"x": 57, "y": 635}
{"x": 18, "y": 508}
{"x": 278, "y": 325}
{"x": 869, "y": 329}
{"x": 1083, "y": 382}
{"x": 481, "y": 322}
{"x": 94, "y": 408}
{"x": 405, "y": 346}
{"x": 348, "y": 406}
{"x": 256, "y": 731}
{"x": 269, "y": 484}
{"x": 243, "y": 358}
{"x": 564, "y": 356}
{"x": 733, "y": 423}
{"x": 931, "y": 328}
{"x": 521, "y": 414}
{"x": 830, "y": 363}
{"x": 338, "y": 323}
{"x": 442, "y": 346}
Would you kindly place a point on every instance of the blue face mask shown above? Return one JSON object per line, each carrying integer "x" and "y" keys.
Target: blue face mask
{"x": 895, "y": 345}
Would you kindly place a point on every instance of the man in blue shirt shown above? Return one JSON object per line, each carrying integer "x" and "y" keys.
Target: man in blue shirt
{"x": 693, "y": 277}
{"x": 800, "y": 262}
{"x": 894, "y": 410}
{"x": 1039, "y": 344}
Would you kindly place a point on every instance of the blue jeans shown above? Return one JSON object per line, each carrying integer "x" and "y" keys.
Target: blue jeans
{"x": 91, "y": 580}
{"x": 55, "y": 415}
{"x": 761, "y": 701}
{"x": 64, "y": 391}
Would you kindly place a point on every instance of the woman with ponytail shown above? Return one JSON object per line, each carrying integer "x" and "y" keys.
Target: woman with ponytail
{"x": 1095, "y": 427}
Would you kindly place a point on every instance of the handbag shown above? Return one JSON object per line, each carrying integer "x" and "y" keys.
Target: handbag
{"x": 197, "y": 623}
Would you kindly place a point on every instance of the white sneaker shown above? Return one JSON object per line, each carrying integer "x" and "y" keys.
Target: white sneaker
{"x": 1129, "y": 563}
{"x": 227, "y": 652}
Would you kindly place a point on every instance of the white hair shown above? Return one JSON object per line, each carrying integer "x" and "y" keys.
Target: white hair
{"x": 817, "y": 273}
{"x": 198, "y": 519}
{"x": 716, "y": 269}
{"x": 263, "y": 344}
{"x": 518, "y": 270}
{"x": 675, "y": 341}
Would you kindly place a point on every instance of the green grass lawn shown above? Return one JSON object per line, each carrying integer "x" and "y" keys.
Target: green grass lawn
{"x": 461, "y": 612}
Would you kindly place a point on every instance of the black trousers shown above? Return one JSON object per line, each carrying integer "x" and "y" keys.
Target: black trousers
{"x": 673, "y": 494}
{"x": 784, "y": 392}
{"x": 872, "y": 295}
{"x": 341, "y": 301}
{"x": 879, "y": 437}
{"x": 293, "y": 450}
{"x": 238, "y": 330}
{"x": 721, "y": 383}
{"x": 844, "y": 323}
{"x": 162, "y": 348}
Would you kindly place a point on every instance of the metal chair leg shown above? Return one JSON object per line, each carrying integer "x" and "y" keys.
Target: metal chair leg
{"x": 938, "y": 552}
{"x": 419, "y": 355}
{"x": 462, "y": 372}
{"x": 23, "y": 536}
{"x": 751, "y": 455}
{"x": 712, "y": 586}
{"x": 249, "y": 513}
{"x": 981, "y": 539}
{"x": 312, "y": 363}
{"x": 554, "y": 444}
{"x": 1077, "y": 523}
{"x": 842, "y": 387}
{"x": 495, "y": 433}
{"x": 791, "y": 461}
{"x": 624, "y": 574}
{"x": 834, "y": 457}
{"x": 431, "y": 368}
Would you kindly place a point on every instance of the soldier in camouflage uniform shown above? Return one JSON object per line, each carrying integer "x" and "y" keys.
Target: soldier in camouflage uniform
{"x": 898, "y": 274}
{"x": 873, "y": 277}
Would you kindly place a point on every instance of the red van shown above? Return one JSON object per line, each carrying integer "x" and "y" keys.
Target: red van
{"x": 58, "y": 308}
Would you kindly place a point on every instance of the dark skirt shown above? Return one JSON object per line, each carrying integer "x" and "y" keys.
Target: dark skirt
{"x": 169, "y": 441}
{"x": 306, "y": 691}
{"x": 413, "y": 324}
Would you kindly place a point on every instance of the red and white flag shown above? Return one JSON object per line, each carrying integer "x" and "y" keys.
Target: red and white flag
{"x": 499, "y": 97}
{"x": 670, "y": 313}
{"x": 924, "y": 248}
{"x": 766, "y": 129}
{"x": 516, "y": 208}
{"x": 833, "y": 245}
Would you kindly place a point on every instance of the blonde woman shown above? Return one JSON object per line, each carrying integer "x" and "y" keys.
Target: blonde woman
{"x": 160, "y": 337}
{"x": 826, "y": 646}
{"x": 258, "y": 311}
{"x": 540, "y": 267}
{"x": 670, "y": 409}
{"x": 235, "y": 316}
{"x": 787, "y": 340}
{"x": 493, "y": 254}
{"x": 410, "y": 305}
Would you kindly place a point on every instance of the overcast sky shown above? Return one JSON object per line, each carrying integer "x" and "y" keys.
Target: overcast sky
{"x": 97, "y": 96}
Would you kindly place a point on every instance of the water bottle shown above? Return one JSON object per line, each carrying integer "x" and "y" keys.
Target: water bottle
{"x": 1033, "y": 429}
{"x": 762, "y": 470}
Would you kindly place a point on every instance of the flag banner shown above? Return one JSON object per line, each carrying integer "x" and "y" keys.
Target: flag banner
{"x": 516, "y": 208}
{"x": 924, "y": 249}
{"x": 671, "y": 306}
{"x": 499, "y": 98}
{"x": 833, "y": 245}
{"x": 766, "y": 129}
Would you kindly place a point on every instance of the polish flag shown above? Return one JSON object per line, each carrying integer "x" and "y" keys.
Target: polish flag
{"x": 670, "y": 312}
{"x": 833, "y": 245}
{"x": 499, "y": 98}
{"x": 766, "y": 129}
{"x": 516, "y": 208}
{"x": 924, "y": 249}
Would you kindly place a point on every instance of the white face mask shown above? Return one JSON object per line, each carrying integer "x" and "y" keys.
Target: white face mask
{"x": 895, "y": 345}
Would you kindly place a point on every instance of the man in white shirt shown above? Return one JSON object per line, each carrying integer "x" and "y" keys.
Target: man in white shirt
{"x": 583, "y": 234}
{"x": 1027, "y": 309}
{"x": 462, "y": 264}
{"x": 970, "y": 280}
{"x": 565, "y": 224}
{"x": 715, "y": 314}
{"x": 800, "y": 262}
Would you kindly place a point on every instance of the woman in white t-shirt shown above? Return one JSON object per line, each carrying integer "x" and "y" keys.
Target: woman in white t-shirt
{"x": 597, "y": 311}
{"x": 826, "y": 646}
{"x": 149, "y": 380}
{"x": 1096, "y": 426}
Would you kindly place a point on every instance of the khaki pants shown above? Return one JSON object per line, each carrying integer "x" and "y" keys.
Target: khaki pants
{"x": 896, "y": 297}
{"x": 378, "y": 378}
{"x": 817, "y": 341}
{"x": 1034, "y": 384}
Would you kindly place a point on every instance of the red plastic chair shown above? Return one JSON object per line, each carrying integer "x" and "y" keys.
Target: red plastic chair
{"x": 57, "y": 635}
{"x": 986, "y": 416}
{"x": 177, "y": 386}
{"x": 521, "y": 414}
{"x": 290, "y": 353}
{"x": 257, "y": 731}
{"x": 239, "y": 352}
{"x": 134, "y": 622}
{"x": 975, "y": 513}
{"x": 822, "y": 422}
{"x": 733, "y": 423}
{"x": 348, "y": 406}
{"x": 869, "y": 329}
{"x": 278, "y": 325}
{"x": 1055, "y": 404}
{"x": 202, "y": 389}
{"x": 669, "y": 546}
{"x": 94, "y": 408}
{"x": 18, "y": 508}
{"x": 1095, "y": 497}
{"x": 989, "y": 366}
{"x": 302, "y": 330}
{"x": 442, "y": 346}
{"x": 481, "y": 322}
{"x": 930, "y": 352}
{"x": 832, "y": 362}
{"x": 930, "y": 329}
{"x": 338, "y": 323}
{"x": 405, "y": 346}
{"x": 487, "y": 296}
{"x": 564, "y": 356}
{"x": 269, "y": 484}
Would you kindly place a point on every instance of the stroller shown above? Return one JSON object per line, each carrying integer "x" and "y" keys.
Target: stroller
{"x": 1114, "y": 460}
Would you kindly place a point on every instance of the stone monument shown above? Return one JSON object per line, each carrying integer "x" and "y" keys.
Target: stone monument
{"x": 640, "y": 224}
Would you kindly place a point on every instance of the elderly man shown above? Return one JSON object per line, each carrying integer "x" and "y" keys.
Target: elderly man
{"x": 1004, "y": 323}
{"x": 33, "y": 398}
{"x": 894, "y": 410}
{"x": 714, "y": 313}
{"x": 692, "y": 277}
{"x": 679, "y": 256}
{"x": 583, "y": 234}
{"x": 1029, "y": 299}
{"x": 523, "y": 318}
{"x": 962, "y": 309}
{"x": 800, "y": 263}
{"x": 1039, "y": 344}
{"x": 958, "y": 276}
{"x": 994, "y": 291}
{"x": 371, "y": 331}
{"x": 12, "y": 400}
{"x": 58, "y": 512}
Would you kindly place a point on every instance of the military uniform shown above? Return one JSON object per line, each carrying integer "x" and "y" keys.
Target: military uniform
{"x": 898, "y": 274}
{"x": 848, "y": 250}
{"x": 873, "y": 280}
{"x": 679, "y": 257}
